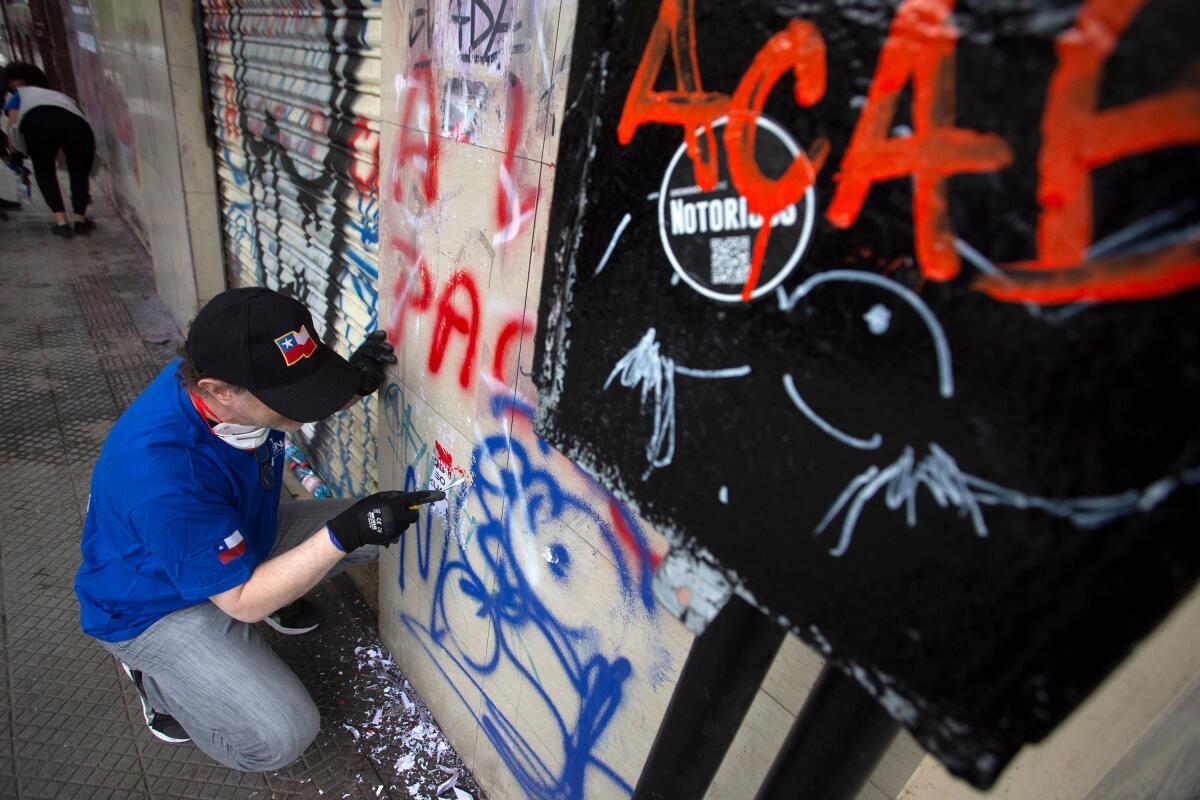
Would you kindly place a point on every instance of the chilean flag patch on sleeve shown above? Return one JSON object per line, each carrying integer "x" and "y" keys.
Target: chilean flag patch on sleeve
{"x": 233, "y": 546}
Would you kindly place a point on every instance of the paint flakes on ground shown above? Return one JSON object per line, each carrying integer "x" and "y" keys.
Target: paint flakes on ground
{"x": 393, "y": 727}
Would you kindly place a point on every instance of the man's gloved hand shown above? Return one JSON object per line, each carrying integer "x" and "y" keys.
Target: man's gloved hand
{"x": 379, "y": 518}
{"x": 371, "y": 359}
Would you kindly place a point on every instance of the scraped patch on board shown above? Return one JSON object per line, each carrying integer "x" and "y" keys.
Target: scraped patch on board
{"x": 444, "y": 474}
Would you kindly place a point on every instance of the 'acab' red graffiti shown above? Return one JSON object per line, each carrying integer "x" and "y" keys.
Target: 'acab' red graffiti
{"x": 920, "y": 49}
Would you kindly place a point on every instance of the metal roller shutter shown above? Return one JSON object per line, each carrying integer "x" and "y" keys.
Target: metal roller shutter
{"x": 294, "y": 92}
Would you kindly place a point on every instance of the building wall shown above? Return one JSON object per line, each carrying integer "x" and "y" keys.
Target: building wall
{"x": 137, "y": 75}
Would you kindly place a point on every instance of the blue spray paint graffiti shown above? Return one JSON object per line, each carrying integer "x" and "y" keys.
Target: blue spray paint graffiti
{"x": 482, "y": 565}
{"x": 367, "y": 224}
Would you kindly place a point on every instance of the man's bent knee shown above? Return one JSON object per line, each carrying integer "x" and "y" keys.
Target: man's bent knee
{"x": 279, "y": 739}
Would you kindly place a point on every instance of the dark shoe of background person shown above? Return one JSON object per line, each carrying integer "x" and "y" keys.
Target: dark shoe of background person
{"x": 295, "y": 618}
{"x": 163, "y": 726}
{"x": 9, "y": 205}
{"x": 63, "y": 230}
{"x": 85, "y": 227}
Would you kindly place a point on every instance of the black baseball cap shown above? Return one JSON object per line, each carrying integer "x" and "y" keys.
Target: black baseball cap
{"x": 265, "y": 342}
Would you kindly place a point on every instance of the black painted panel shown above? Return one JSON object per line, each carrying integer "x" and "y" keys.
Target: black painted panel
{"x": 974, "y": 504}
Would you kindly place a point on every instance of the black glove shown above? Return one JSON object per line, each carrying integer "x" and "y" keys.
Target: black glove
{"x": 379, "y": 518}
{"x": 371, "y": 358}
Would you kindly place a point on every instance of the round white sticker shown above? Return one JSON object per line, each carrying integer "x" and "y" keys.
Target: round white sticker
{"x": 709, "y": 236}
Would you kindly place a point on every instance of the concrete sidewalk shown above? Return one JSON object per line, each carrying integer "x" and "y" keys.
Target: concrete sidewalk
{"x": 81, "y": 332}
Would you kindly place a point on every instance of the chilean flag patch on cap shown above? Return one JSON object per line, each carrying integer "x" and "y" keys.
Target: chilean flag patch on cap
{"x": 233, "y": 546}
{"x": 296, "y": 345}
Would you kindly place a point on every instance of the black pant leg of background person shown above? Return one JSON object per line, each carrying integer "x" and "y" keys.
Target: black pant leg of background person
{"x": 48, "y": 129}
{"x": 41, "y": 132}
{"x": 79, "y": 145}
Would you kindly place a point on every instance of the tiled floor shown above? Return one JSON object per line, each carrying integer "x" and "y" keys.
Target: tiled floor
{"x": 81, "y": 332}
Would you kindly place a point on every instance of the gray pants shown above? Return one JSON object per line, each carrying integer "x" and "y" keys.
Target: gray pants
{"x": 218, "y": 677}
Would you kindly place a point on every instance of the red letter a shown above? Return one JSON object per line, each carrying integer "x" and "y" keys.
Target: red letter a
{"x": 919, "y": 46}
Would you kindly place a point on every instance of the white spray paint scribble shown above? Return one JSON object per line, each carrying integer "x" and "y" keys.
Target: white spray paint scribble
{"x": 543, "y": 51}
{"x": 1115, "y": 242}
{"x": 656, "y": 374}
{"x": 940, "y": 346}
{"x": 1129, "y": 240}
{"x": 400, "y": 82}
{"x": 949, "y": 486}
{"x": 984, "y": 264}
{"x": 872, "y": 443}
{"x": 878, "y": 319}
{"x": 524, "y": 539}
{"x": 520, "y": 216}
{"x": 612, "y": 244}
{"x": 819, "y": 639}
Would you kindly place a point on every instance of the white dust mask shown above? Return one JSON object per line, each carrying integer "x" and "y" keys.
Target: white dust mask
{"x": 243, "y": 437}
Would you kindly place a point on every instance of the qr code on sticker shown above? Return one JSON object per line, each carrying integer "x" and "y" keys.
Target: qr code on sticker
{"x": 729, "y": 258}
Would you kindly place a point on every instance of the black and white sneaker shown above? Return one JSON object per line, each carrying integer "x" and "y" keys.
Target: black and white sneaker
{"x": 295, "y": 618}
{"x": 163, "y": 726}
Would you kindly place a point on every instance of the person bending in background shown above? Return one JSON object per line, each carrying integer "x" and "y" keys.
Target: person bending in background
{"x": 46, "y": 122}
{"x": 185, "y": 544}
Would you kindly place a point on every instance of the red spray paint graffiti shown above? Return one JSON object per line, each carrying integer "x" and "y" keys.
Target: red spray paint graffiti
{"x": 689, "y": 106}
{"x": 366, "y": 174}
{"x": 1077, "y": 138}
{"x": 414, "y": 163}
{"x": 512, "y": 332}
{"x": 514, "y": 207}
{"x": 451, "y": 320}
{"x": 920, "y": 48}
{"x": 418, "y": 148}
{"x": 414, "y": 166}
{"x": 458, "y": 313}
{"x": 229, "y": 98}
{"x": 404, "y": 297}
{"x": 637, "y": 549}
{"x": 798, "y": 49}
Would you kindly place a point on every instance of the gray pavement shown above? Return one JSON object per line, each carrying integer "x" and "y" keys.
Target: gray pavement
{"x": 81, "y": 332}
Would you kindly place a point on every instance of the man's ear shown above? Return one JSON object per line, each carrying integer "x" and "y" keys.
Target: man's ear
{"x": 220, "y": 390}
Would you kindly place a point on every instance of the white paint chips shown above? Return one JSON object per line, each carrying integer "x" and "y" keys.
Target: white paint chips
{"x": 393, "y": 728}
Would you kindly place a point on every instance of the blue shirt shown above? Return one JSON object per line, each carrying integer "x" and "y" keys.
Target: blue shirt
{"x": 13, "y": 101}
{"x": 175, "y": 515}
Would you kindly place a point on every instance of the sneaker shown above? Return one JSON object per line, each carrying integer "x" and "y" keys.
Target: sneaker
{"x": 295, "y": 618}
{"x": 85, "y": 227}
{"x": 63, "y": 230}
{"x": 163, "y": 726}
